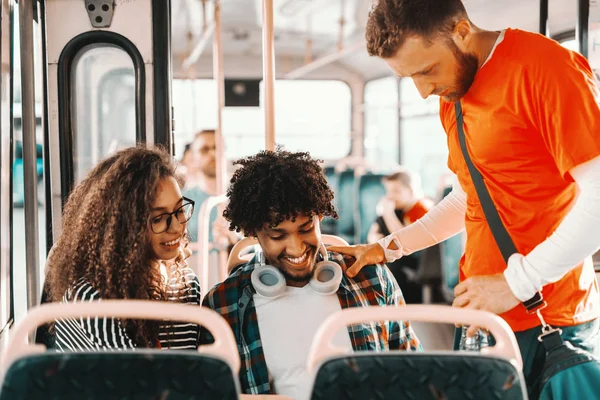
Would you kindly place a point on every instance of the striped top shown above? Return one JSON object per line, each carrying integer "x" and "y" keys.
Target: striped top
{"x": 101, "y": 334}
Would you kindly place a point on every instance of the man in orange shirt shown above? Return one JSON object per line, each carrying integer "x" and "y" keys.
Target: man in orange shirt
{"x": 532, "y": 128}
{"x": 400, "y": 207}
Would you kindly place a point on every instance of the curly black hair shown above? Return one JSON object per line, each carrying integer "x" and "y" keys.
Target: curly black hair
{"x": 273, "y": 186}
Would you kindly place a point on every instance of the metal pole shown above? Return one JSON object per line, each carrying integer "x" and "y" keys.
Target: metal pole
{"x": 342, "y": 22}
{"x": 219, "y": 77}
{"x": 544, "y": 17}
{"x": 269, "y": 73}
{"x": 583, "y": 17}
{"x": 29, "y": 152}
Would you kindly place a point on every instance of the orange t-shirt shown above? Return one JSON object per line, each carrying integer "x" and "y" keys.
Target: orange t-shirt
{"x": 420, "y": 208}
{"x": 531, "y": 115}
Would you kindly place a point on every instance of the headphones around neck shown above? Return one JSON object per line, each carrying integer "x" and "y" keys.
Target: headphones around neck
{"x": 269, "y": 282}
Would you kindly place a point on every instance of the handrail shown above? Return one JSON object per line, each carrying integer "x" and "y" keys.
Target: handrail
{"x": 202, "y": 270}
{"x": 199, "y": 46}
{"x": 224, "y": 347}
{"x": 322, "y": 348}
{"x": 29, "y": 152}
{"x": 269, "y": 72}
{"x": 219, "y": 76}
{"x": 324, "y": 60}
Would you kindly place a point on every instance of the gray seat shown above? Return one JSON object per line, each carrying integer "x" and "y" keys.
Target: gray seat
{"x": 211, "y": 372}
{"x": 143, "y": 374}
{"x": 329, "y": 225}
{"x": 495, "y": 374}
{"x": 418, "y": 376}
{"x": 369, "y": 190}
{"x": 345, "y": 200}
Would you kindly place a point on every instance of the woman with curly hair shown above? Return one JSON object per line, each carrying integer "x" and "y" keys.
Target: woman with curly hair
{"x": 124, "y": 237}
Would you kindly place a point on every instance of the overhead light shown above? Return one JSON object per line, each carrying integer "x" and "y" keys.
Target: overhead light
{"x": 293, "y": 7}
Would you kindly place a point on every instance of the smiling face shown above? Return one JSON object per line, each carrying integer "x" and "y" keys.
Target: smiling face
{"x": 437, "y": 67}
{"x": 292, "y": 247}
{"x": 165, "y": 245}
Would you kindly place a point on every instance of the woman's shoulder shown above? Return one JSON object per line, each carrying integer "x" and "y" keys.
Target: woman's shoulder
{"x": 81, "y": 290}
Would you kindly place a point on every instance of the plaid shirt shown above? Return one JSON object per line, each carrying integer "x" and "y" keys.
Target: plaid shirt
{"x": 373, "y": 286}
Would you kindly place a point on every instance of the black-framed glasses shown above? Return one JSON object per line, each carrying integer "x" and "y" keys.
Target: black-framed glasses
{"x": 161, "y": 223}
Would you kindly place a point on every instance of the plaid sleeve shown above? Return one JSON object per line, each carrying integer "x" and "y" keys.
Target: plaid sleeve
{"x": 402, "y": 336}
{"x": 205, "y": 335}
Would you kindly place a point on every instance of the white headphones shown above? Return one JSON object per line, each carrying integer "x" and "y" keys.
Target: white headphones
{"x": 269, "y": 282}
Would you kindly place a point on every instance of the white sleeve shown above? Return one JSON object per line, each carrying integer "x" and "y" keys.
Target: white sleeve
{"x": 443, "y": 221}
{"x": 575, "y": 239}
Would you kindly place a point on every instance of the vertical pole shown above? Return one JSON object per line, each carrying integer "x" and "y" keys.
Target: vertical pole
{"x": 221, "y": 170}
{"x": 342, "y": 23}
{"x": 219, "y": 77}
{"x": 269, "y": 73}
{"x": 544, "y": 17}
{"x": 29, "y": 152}
{"x": 583, "y": 17}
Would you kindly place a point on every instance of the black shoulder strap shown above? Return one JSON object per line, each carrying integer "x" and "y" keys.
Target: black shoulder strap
{"x": 503, "y": 239}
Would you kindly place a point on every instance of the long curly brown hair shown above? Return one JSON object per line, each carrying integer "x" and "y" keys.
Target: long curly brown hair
{"x": 105, "y": 237}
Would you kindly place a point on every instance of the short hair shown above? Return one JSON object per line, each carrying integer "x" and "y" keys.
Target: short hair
{"x": 402, "y": 176}
{"x": 205, "y": 132}
{"x": 391, "y": 22}
{"x": 273, "y": 186}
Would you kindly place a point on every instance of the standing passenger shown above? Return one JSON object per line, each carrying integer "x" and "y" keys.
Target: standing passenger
{"x": 532, "y": 126}
{"x": 123, "y": 237}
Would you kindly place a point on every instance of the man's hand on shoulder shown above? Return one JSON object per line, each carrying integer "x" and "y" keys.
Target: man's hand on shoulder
{"x": 358, "y": 256}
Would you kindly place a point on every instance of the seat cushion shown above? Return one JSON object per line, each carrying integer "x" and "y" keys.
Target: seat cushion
{"x": 448, "y": 376}
{"x": 141, "y": 374}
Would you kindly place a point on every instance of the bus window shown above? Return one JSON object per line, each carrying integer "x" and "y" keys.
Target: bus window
{"x": 103, "y": 106}
{"x": 18, "y": 262}
{"x": 310, "y": 115}
{"x": 423, "y": 141}
{"x": 381, "y": 122}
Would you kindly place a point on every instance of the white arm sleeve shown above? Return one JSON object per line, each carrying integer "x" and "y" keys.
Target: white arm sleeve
{"x": 443, "y": 221}
{"x": 575, "y": 239}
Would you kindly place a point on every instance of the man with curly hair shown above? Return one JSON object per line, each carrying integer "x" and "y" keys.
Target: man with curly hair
{"x": 280, "y": 198}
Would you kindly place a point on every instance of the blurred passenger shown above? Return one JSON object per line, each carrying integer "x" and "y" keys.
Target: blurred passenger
{"x": 280, "y": 198}
{"x": 201, "y": 183}
{"x": 124, "y": 237}
{"x": 185, "y": 163}
{"x": 400, "y": 207}
{"x": 201, "y": 177}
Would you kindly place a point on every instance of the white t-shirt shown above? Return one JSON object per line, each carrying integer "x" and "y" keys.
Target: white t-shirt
{"x": 287, "y": 327}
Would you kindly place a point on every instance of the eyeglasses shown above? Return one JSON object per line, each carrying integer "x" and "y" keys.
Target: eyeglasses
{"x": 207, "y": 149}
{"x": 161, "y": 223}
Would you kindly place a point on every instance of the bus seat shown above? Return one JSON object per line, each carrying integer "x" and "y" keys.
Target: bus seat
{"x": 369, "y": 190}
{"x": 236, "y": 258}
{"x": 429, "y": 273}
{"x": 495, "y": 373}
{"x": 206, "y": 271}
{"x": 345, "y": 199}
{"x": 328, "y": 224}
{"x": 452, "y": 250}
{"x": 30, "y": 372}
